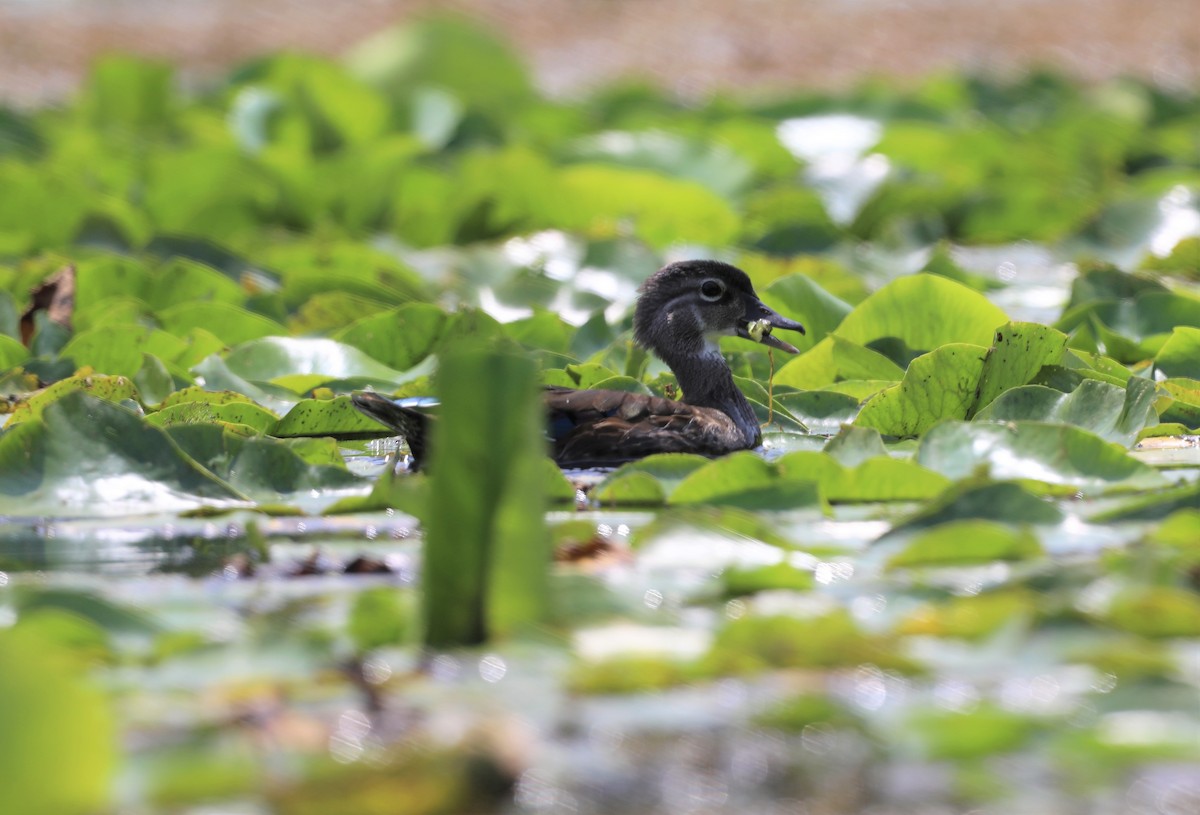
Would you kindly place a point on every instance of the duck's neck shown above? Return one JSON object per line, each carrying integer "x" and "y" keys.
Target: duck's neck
{"x": 707, "y": 381}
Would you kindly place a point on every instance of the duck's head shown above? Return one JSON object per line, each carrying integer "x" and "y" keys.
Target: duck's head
{"x": 684, "y": 307}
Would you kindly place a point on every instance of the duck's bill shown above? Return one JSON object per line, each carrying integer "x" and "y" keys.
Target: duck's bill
{"x": 760, "y": 321}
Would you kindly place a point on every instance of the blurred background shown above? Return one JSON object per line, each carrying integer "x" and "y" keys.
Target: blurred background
{"x": 693, "y": 47}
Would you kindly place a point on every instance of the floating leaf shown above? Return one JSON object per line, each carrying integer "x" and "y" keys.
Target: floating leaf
{"x": 1113, "y": 413}
{"x": 260, "y": 467}
{"x": 1180, "y": 354}
{"x": 938, "y": 385}
{"x": 246, "y": 413}
{"x": 325, "y": 417}
{"x": 821, "y": 411}
{"x": 744, "y": 480}
{"x": 924, "y": 312}
{"x": 229, "y": 323}
{"x": 1156, "y": 612}
{"x": 753, "y": 643}
{"x": 648, "y": 481}
{"x": 835, "y": 359}
{"x": 399, "y": 338}
{"x": 984, "y": 731}
{"x": 991, "y": 501}
{"x": 595, "y": 199}
{"x": 111, "y": 388}
{"x": 967, "y": 541}
{"x": 88, "y": 456}
{"x": 1018, "y": 352}
{"x": 58, "y": 724}
{"x": 263, "y": 360}
{"x": 1051, "y": 453}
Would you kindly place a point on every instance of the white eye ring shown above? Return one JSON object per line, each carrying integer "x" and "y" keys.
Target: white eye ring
{"x": 712, "y": 290}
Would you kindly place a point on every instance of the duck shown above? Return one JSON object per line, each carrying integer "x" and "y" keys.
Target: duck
{"x": 682, "y": 311}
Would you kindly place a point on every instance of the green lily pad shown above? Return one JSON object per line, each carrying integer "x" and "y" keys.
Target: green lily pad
{"x": 596, "y": 198}
{"x": 263, "y": 468}
{"x": 991, "y": 501}
{"x": 195, "y": 393}
{"x": 183, "y": 282}
{"x": 882, "y": 478}
{"x": 835, "y": 359}
{"x": 1179, "y": 401}
{"x": 650, "y": 480}
{"x": 12, "y": 353}
{"x": 1018, "y": 352}
{"x": 1050, "y": 453}
{"x": 821, "y": 411}
{"x": 752, "y": 644}
{"x": 1180, "y": 354}
{"x": 887, "y": 479}
{"x": 854, "y": 445}
{"x": 924, "y": 312}
{"x": 246, "y": 413}
{"x": 86, "y": 456}
{"x": 938, "y": 385}
{"x": 744, "y": 480}
{"x": 110, "y": 388}
{"x": 742, "y": 581}
{"x": 326, "y": 417}
{"x": 1156, "y": 612}
{"x": 399, "y": 338}
{"x": 799, "y": 297}
{"x": 266, "y": 359}
{"x": 60, "y": 725}
{"x": 229, "y": 323}
{"x": 1113, "y": 413}
{"x": 972, "y": 617}
{"x": 985, "y": 731}
{"x": 970, "y": 540}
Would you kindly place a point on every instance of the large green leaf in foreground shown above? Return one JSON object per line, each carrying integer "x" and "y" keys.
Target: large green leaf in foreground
{"x": 58, "y": 725}
{"x": 85, "y": 456}
{"x": 486, "y": 548}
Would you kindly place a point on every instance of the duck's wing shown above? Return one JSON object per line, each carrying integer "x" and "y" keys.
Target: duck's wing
{"x": 591, "y": 428}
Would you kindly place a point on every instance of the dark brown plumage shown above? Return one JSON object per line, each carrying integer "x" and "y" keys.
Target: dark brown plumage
{"x": 681, "y": 311}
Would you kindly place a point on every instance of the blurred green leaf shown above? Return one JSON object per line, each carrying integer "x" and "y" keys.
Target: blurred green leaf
{"x": 487, "y": 551}
{"x": 58, "y": 725}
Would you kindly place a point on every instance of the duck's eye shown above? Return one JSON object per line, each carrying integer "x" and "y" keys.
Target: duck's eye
{"x": 712, "y": 290}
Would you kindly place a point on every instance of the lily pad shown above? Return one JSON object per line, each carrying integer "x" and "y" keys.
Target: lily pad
{"x": 835, "y": 359}
{"x": 924, "y": 312}
{"x": 110, "y": 388}
{"x": 821, "y": 411}
{"x": 399, "y": 338}
{"x": 247, "y": 414}
{"x": 263, "y": 360}
{"x": 744, "y": 480}
{"x": 938, "y": 385}
{"x": 967, "y": 541}
{"x": 1180, "y": 354}
{"x": 992, "y": 501}
{"x": 86, "y": 456}
{"x": 1050, "y": 453}
{"x": 1113, "y": 413}
{"x": 263, "y": 468}
{"x": 650, "y": 480}
{"x": 326, "y": 417}
{"x": 1018, "y": 352}
{"x": 231, "y": 324}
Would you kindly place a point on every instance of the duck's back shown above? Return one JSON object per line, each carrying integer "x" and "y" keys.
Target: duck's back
{"x": 591, "y": 428}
